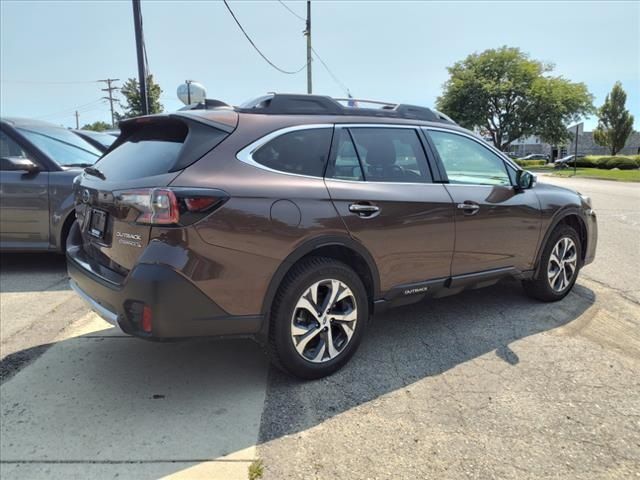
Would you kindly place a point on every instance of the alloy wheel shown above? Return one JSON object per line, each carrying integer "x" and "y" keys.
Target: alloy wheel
{"x": 562, "y": 264}
{"x": 324, "y": 320}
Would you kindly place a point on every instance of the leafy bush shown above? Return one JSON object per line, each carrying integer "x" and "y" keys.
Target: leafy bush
{"x": 622, "y": 163}
{"x": 608, "y": 162}
{"x": 587, "y": 162}
{"x": 530, "y": 163}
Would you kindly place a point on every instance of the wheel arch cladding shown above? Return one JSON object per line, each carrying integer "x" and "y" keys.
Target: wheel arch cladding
{"x": 570, "y": 217}
{"x": 342, "y": 249}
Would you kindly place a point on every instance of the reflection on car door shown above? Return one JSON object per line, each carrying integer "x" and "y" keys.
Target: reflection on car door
{"x": 24, "y": 201}
{"x": 497, "y": 226}
{"x": 380, "y": 183}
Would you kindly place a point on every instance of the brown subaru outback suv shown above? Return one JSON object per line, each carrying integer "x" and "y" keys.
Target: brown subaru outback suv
{"x": 293, "y": 218}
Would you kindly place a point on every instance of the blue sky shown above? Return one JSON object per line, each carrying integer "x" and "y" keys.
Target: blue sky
{"x": 396, "y": 51}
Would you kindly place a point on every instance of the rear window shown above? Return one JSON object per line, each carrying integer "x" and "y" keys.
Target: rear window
{"x": 151, "y": 150}
{"x": 162, "y": 146}
{"x": 303, "y": 152}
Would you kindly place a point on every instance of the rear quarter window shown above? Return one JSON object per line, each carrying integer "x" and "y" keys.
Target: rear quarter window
{"x": 302, "y": 152}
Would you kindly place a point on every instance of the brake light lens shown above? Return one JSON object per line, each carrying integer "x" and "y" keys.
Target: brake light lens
{"x": 157, "y": 206}
{"x": 171, "y": 206}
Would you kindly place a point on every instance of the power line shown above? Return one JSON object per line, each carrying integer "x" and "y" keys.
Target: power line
{"x": 69, "y": 111}
{"x": 35, "y": 82}
{"x": 291, "y": 11}
{"x": 288, "y": 72}
{"x": 324, "y": 64}
{"x": 335, "y": 79}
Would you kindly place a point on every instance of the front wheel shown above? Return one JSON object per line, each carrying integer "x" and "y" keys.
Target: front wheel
{"x": 318, "y": 318}
{"x": 560, "y": 264}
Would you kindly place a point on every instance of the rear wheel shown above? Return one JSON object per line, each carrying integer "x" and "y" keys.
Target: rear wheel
{"x": 318, "y": 318}
{"x": 560, "y": 264}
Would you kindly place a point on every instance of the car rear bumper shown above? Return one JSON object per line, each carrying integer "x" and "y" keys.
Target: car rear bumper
{"x": 178, "y": 308}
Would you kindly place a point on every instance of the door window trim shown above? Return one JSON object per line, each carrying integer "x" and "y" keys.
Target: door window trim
{"x": 505, "y": 160}
{"x": 245, "y": 155}
{"x": 426, "y": 149}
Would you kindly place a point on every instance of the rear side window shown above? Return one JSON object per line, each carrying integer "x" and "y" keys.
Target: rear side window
{"x": 391, "y": 155}
{"x": 158, "y": 148}
{"x": 303, "y": 152}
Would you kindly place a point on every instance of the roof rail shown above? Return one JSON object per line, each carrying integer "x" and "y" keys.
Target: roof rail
{"x": 301, "y": 104}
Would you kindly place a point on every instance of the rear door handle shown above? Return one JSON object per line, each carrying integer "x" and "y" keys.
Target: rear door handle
{"x": 469, "y": 208}
{"x": 364, "y": 209}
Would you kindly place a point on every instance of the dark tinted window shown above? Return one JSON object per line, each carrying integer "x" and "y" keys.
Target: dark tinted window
{"x": 303, "y": 152}
{"x": 150, "y": 150}
{"x": 391, "y": 155}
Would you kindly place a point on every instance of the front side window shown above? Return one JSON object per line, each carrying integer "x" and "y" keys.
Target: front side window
{"x": 302, "y": 152}
{"x": 390, "y": 154}
{"x": 9, "y": 148}
{"x": 468, "y": 162}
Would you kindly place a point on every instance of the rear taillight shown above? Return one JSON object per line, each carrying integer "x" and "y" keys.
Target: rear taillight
{"x": 171, "y": 206}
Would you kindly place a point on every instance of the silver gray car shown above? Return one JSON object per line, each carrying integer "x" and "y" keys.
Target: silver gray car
{"x": 38, "y": 162}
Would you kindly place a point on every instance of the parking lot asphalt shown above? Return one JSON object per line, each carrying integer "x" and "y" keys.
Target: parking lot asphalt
{"x": 487, "y": 384}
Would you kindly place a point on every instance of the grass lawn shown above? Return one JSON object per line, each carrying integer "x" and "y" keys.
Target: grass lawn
{"x": 620, "y": 175}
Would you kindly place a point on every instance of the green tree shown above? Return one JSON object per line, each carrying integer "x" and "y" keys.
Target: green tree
{"x": 131, "y": 92}
{"x": 615, "y": 123}
{"x": 98, "y": 126}
{"x": 505, "y": 94}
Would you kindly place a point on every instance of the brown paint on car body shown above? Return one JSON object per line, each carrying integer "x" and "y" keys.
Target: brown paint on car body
{"x": 239, "y": 254}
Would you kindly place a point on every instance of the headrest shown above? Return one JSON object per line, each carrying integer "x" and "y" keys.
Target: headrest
{"x": 380, "y": 151}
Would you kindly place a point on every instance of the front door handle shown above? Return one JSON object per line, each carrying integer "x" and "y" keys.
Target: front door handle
{"x": 364, "y": 209}
{"x": 469, "y": 208}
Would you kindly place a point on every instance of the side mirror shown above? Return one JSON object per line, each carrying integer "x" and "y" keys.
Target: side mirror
{"x": 525, "y": 180}
{"x": 19, "y": 164}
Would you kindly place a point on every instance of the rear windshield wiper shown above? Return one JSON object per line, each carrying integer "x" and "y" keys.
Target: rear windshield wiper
{"x": 95, "y": 172}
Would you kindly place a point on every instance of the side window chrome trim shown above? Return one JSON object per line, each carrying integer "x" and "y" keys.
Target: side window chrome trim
{"x": 484, "y": 144}
{"x": 365, "y": 182}
{"x": 246, "y": 154}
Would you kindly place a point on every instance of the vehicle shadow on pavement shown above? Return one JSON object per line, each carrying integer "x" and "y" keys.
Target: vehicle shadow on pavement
{"x": 411, "y": 343}
{"x": 112, "y": 404}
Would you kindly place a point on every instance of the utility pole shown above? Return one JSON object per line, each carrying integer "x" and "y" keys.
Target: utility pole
{"x": 575, "y": 153}
{"x": 142, "y": 71}
{"x": 109, "y": 90}
{"x": 307, "y": 32}
{"x": 77, "y": 121}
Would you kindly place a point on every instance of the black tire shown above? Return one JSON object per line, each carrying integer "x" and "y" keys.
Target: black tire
{"x": 281, "y": 348}
{"x": 540, "y": 288}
